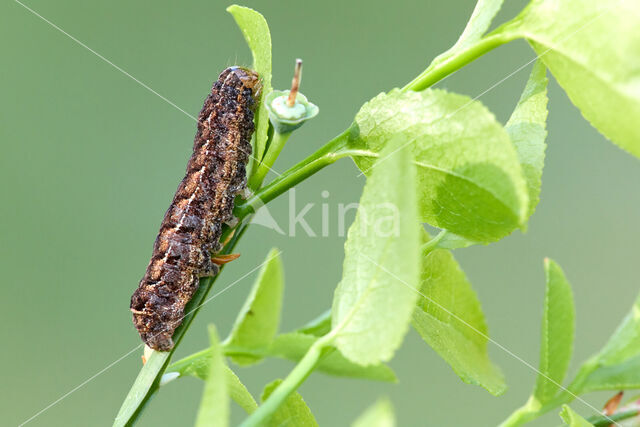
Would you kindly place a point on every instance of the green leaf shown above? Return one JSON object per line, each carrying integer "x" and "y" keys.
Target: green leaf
{"x": 449, "y": 318}
{"x": 622, "y": 376}
{"x": 599, "y": 72}
{"x": 527, "y": 129}
{"x": 293, "y": 412}
{"x": 448, "y": 240}
{"x": 319, "y": 326}
{"x": 238, "y": 392}
{"x": 373, "y": 302}
{"x": 625, "y": 342}
{"x": 572, "y": 419}
{"x": 214, "y": 407}
{"x": 478, "y": 24}
{"x": 256, "y": 32}
{"x": 558, "y": 325}
{"x": 617, "y": 366}
{"x": 469, "y": 178}
{"x": 293, "y": 346}
{"x": 258, "y": 320}
{"x": 378, "y": 415}
{"x": 197, "y": 365}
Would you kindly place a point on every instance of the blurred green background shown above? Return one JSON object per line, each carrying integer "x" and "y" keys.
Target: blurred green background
{"x": 90, "y": 160}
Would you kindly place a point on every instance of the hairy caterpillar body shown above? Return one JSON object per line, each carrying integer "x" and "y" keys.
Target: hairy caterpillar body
{"x": 192, "y": 226}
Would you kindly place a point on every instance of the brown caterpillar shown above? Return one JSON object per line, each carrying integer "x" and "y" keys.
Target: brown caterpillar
{"x": 191, "y": 228}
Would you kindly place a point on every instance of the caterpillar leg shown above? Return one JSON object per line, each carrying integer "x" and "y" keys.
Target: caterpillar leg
{"x": 223, "y": 259}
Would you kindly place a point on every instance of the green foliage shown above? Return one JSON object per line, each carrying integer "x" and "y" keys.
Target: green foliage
{"x": 290, "y": 346}
{"x": 556, "y": 344}
{"x": 293, "y": 346}
{"x": 599, "y": 72}
{"x": 527, "y": 129}
{"x": 448, "y": 240}
{"x": 198, "y": 366}
{"x": 214, "y": 407}
{"x": 620, "y": 376}
{"x": 378, "y": 415}
{"x": 449, "y": 318}
{"x": 602, "y": 420}
{"x": 256, "y": 32}
{"x": 468, "y": 175}
{"x": 293, "y": 412}
{"x": 319, "y": 326}
{"x": 572, "y": 419}
{"x": 470, "y": 45}
{"x": 442, "y": 158}
{"x": 258, "y": 319}
{"x": 238, "y": 392}
{"x": 373, "y": 303}
{"x": 625, "y": 342}
{"x": 617, "y": 365}
{"x": 478, "y": 24}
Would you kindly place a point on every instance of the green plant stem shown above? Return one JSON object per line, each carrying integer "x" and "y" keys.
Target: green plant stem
{"x": 328, "y": 154}
{"x": 296, "y": 377}
{"x": 604, "y": 420}
{"x": 431, "y": 244}
{"x": 434, "y": 74}
{"x": 227, "y": 351}
{"x": 275, "y": 147}
{"x": 532, "y": 409}
{"x": 527, "y": 412}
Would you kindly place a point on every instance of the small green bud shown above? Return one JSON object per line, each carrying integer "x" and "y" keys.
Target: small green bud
{"x": 286, "y": 119}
